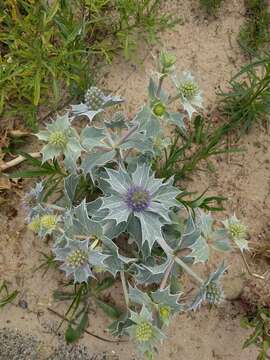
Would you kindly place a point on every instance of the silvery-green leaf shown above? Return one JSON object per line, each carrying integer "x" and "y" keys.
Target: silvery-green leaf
{"x": 165, "y": 298}
{"x": 205, "y": 222}
{"x": 118, "y": 327}
{"x": 176, "y": 119}
{"x": 112, "y": 230}
{"x": 242, "y": 244}
{"x": 96, "y": 159}
{"x": 96, "y": 258}
{"x": 139, "y": 297}
{"x": 222, "y": 245}
{"x": 111, "y": 100}
{"x": 148, "y": 123}
{"x": 49, "y": 152}
{"x": 114, "y": 261}
{"x": 70, "y": 184}
{"x": 150, "y": 274}
{"x": 221, "y": 241}
{"x": 138, "y": 141}
{"x": 200, "y": 250}
{"x": 118, "y": 211}
{"x": 150, "y": 228}
{"x": 119, "y": 180}
{"x": 82, "y": 223}
{"x": 83, "y": 110}
{"x": 117, "y": 122}
{"x": 92, "y": 137}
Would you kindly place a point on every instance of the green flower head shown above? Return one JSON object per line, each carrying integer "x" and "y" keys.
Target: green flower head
{"x": 48, "y": 222}
{"x": 145, "y": 334}
{"x": 211, "y": 291}
{"x": 167, "y": 62}
{"x": 237, "y": 231}
{"x": 189, "y": 92}
{"x": 61, "y": 139}
{"x": 159, "y": 109}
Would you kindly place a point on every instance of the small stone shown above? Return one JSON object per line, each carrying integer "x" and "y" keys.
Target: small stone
{"x": 23, "y": 304}
{"x": 233, "y": 287}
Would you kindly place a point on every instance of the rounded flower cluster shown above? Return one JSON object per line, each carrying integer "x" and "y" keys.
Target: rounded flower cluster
{"x": 48, "y": 222}
{"x": 213, "y": 293}
{"x": 58, "y": 139}
{"x": 238, "y": 230}
{"x": 144, "y": 332}
{"x": 189, "y": 89}
{"x": 94, "y": 98}
{"x": 164, "y": 312}
{"x": 77, "y": 258}
{"x": 159, "y": 109}
{"x": 138, "y": 199}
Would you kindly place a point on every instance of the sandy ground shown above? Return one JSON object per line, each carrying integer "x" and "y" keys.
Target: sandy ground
{"x": 208, "y": 48}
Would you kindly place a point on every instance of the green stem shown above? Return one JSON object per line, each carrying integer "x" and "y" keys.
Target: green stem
{"x": 188, "y": 270}
{"x": 124, "y": 285}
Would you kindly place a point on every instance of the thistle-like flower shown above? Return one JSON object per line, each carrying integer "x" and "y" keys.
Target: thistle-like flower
{"x": 42, "y": 222}
{"x": 61, "y": 139}
{"x": 210, "y": 291}
{"x": 48, "y": 222}
{"x": 142, "y": 195}
{"x": 77, "y": 258}
{"x": 166, "y": 62}
{"x": 189, "y": 92}
{"x": 95, "y": 102}
{"x": 237, "y": 231}
{"x": 145, "y": 334}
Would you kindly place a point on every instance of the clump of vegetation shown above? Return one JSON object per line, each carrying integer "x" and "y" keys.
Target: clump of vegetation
{"x": 111, "y": 213}
{"x": 6, "y": 297}
{"x": 48, "y": 49}
{"x": 254, "y": 35}
{"x": 260, "y": 337}
{"x": 211, "y": 6}
{"x": 248, "y": 99}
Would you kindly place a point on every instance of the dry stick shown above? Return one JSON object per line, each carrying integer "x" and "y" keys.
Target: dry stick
{"x": 86, "y": 331}
{"x": 248, "y": 268}
{"x": 124, "y": 285}
{"x": 17, "y": 161}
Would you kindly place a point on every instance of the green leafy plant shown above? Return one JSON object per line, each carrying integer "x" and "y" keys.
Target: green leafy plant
{"x": 211, "y": 6}
{"x": 49, "y": 49}
{"x": 254, "y": 35}
{"x": 247, "y": 101}
{"x": 260, "y": 337}
{"x": 5, "y": 296}
{"x": 187, "y": 150}
{"x": 133, "y": 223}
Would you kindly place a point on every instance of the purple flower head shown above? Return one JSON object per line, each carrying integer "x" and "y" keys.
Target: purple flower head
{"x": 137, "y": 198}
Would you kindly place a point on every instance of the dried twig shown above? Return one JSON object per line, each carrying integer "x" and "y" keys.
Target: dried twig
{"x": 17, "y": 161}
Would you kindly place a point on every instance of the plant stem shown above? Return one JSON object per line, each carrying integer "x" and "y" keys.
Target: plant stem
{"x": 124, "y": 285}
{"x": 127, "y": 135}
{"x": 166, "y": 275}
{"x": 160, "y": 85}
{"x": 188, "y": 270}
{"x": 55, "y": 207}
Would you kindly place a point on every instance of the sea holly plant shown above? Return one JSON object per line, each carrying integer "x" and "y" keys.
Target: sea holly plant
{"x": 114, "y": 215}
